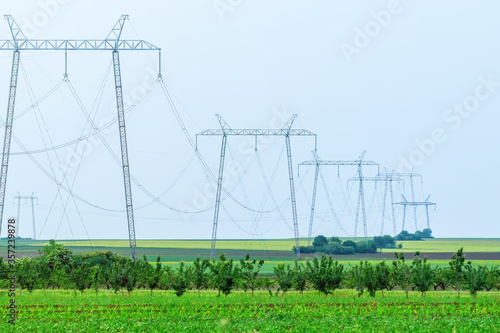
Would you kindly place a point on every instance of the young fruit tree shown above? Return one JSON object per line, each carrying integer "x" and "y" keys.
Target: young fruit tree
{"x": 475, "y": 278}
{"x": 249, "y": 271}
{"x": 457, "y": 270}
{"x": 284, "y": 278}
{"x": 401, "y": 272}
{"x": 422, "y": 275}
{"x": 223, "y": 274}
{"x": 200, "y": 273}
{"x": 299, "y": 279}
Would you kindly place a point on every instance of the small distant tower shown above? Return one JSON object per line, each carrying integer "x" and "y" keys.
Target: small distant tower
{"x": 31, "y": 198}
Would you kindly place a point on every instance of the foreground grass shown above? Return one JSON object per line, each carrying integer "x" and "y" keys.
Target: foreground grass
{"x": 62, "y": 311}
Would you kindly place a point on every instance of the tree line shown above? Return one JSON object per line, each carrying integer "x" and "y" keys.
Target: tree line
{"x": 58, "y": 268}
{"x": 334, "y": 245}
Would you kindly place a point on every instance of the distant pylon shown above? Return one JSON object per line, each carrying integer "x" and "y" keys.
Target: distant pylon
{"x": 32, "y": 198}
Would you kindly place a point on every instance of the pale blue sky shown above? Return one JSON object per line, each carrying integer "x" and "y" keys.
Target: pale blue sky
{"x": 408, "y": 81}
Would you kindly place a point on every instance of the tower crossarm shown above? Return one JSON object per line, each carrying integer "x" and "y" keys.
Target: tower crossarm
{"x": 400, "y": 174}
{"x": 252, "y": 132}
{"x": 415, "y": 203}
{"x": 77, "y": 45}
{"x": 340, "y": 162}
{"x": 376, "y": 179}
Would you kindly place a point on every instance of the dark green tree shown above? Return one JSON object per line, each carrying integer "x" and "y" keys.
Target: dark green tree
{"x": 356, "y": 279}
{"x": 492, "y": 278}
{"x": 385, "y": 242}
{"x": 325, "y": 274}
{"x": 457, "y": 270}
{"x": 319, "y": 241}
{"x": 369, "y": 276}
{"x": 200, "y": 273}
{"x": 401, "y": 272}
{"x": 142, "y": 268}
{"x": 44, "y": 272}
{"x": 27, "y": 274}
{"x": 427, "y": 233}
{"x": 265, "y": 283}
{"x": 223, "y": 274}
{"x": 96, "y": 277}
{"x": 249, "y": 271}
{"x": 383, "y": 275}
{"x": 422, "y": 275}
{"x": 129, "y": 277}
{"x": 334, "y": 240}
{"x": 442, "y": 277}
{"x": 115, "y": 276}
{"x": 56, "y": 254}
{"x": 474, "y": 278}
{"x": 166, "y": 278}
{"x": 153, "y": 275}
{"x": 81, "y": 277}
{"x": 299, "y": 280}
{"x": 181, "y": 280}
{"x": 284, "y": 278}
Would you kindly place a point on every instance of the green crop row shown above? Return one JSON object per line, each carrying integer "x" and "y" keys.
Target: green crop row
{"x": 60, "y": 311}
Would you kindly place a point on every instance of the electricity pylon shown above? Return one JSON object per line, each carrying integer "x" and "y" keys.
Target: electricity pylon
{"x": 410, "y": 175}
{"x": 32, "y": 198}
{"x": 387, "y": 178}
{"x": 226, "y": 131}
{"x": 359, "y": 162}
{"x": 414, "y": 204}
{"x": 114, "y": 43}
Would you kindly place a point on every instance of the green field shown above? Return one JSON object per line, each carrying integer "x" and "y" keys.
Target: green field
{"x": 251, "y": 245}
{"x": 428, "y": 245}
{"x": 272, "y": 251}
{"x": 62, "y": 311}
{"x": 451, "y": 245}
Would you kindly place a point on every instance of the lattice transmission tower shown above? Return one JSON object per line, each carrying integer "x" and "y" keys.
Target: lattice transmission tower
{"x": 359, "y": 162}
{"x": 113, "y": 43}
{"x": 388, "y": 179}
{"x": 285, "y": 131}
{"x": 32, "y": 199}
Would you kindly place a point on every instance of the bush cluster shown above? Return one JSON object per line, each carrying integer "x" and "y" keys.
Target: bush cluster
{"x": 418, "y": 235}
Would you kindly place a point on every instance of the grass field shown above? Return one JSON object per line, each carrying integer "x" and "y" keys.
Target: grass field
{"x": 62, "y": 311}
{"x": 428, "y": 245}
{"x": 451, "y": 245}
{"x": 272, "y": 251}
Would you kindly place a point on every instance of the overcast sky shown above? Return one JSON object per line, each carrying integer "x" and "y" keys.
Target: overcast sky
{"x": 414, "y": 83}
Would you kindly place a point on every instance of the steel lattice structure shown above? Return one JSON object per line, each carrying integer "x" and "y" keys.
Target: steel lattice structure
{"x": 359, "y": 162}
{"x": 387, "y": 178}
{"x": 112, "y": 43}
{"x": 32, "y": 198}
{"x": 285, "y": 131}
{"x": 411, "y": 176}
{"x": 415, "y": 204}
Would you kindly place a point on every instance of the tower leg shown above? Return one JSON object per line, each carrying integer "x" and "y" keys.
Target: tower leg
{"x": 427, "y": 213}
{"x": 362, "y": 199}
{"x": 33, "y": 216}
{"x": 8, "y": 131}
{"x": 357, "y": 214}
{"x": 217, "y": 197}
{"x": 124, "y": 154}
{"x": 292, "y": 196}
{"x": 404, "y": 216}
{"x": 413, "y": 199}
{"x": 383, "y": 209}
{"x": 311, "y": 219}
{"x": 392, "y": 209}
